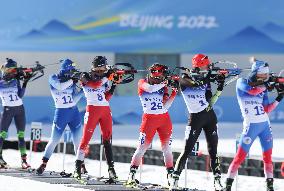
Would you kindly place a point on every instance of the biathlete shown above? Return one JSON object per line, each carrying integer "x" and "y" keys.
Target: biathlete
{"x": 66, "y": 95}
{"x": 11, "y": 93}
{"x": 155, "y": 100}
{"x": 197, "y": 94}
{"x": 98, "y": 90}
{"x": 252, "y": 94}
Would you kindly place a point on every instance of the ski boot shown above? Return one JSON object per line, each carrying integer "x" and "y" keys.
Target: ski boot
{"x": 25, "y": 164}
{"x": 269, "y": 184}
{"x": 131, "y": 181}
{"x": 217, "y": 183}
{"x": 112, "y": 176}
{"x": 83, "y": 169}
{"x": 229, "y": 183}
{"x": 77, "y": 172}
{"x": 42, "y": 167}
{"x": 3, "y": 163}
{"x": 170, "y": 171}
{"x": 174, "y": 178}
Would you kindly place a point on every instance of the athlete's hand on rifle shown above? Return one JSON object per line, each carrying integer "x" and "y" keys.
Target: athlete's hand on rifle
{"x": 76, "y": 75}
{"x": 117, "y": 78}
{"x": 84, "y": 77}
{"x": 121, "y": 73}
{"x": 276, "y": 82}
{"x": 220, "y": 79}
{"x": 269, "y": 86}
{"x": 280, "y": 91}
{"x": 174, "y": 84}
{"x": 27, "y": 77}
{"x": 174, "y": 89}
{"x": 75, "y": 80}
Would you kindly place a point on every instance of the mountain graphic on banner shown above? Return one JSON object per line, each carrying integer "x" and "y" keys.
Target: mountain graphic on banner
{"x": 248, "y": 40}
{"x": 53, "y": 28}
{"x": 33, "y": 34}
{"x": 272, "y": 27}
{"x": 275, "y": 31}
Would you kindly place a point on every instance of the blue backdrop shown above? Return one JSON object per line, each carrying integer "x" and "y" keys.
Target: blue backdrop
{"x": 222, "y": 26}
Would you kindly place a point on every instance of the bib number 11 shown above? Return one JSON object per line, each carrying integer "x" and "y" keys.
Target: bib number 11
{"x": 13, "y": 98}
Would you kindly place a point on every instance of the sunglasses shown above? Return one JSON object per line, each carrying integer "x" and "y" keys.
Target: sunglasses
{"x": 99, "y": 70}
{"x": 204, "y": 58}
{"x": 156, "y": 71}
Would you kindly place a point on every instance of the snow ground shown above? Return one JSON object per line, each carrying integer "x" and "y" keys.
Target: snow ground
{"x": 126, "y": 135}
{"x": 153, "y": 174}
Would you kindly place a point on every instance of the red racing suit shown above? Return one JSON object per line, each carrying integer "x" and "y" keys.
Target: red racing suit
{"x": 98, "y": 94}
{"x": 155, "y": 101}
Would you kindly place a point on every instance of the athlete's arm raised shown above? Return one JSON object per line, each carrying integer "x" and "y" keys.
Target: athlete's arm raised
{"x": 54, "y": 82}
{"x": 268, "y": 107}
{"x": 143, "y": 85}
{"x": 168, "y": 100}
{"x": 243, "y": 85}
{"x": 22, "y": 90}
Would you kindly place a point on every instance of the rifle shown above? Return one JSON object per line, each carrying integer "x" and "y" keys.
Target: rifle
{"x": 276, "y": 82}
{"x": 172, "y": 78}
{"x": 22, "y": 73}
{"x": 127, "y": 72}
{"x": 215, "y": 72}
{"x": 115, "y": 72}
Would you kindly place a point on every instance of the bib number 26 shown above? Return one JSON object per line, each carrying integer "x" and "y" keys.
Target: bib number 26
{"x": 155, "y": 106}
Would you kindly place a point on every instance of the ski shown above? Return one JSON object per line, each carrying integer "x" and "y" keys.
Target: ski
{"x": 8, "y": 168}
{"x": 63, "y": 174}
{"x": 145, "y": 186}
{"x": 185, "y": 189}
{"x": 81, "y": 181}
{"x": 106, "y": 180}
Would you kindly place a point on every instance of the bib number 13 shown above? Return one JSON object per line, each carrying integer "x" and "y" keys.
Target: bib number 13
{"x": 259, "y": 110}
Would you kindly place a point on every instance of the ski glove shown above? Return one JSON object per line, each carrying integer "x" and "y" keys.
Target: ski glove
{"x": 221, "y": 81}
{"x": 280, "y": 91}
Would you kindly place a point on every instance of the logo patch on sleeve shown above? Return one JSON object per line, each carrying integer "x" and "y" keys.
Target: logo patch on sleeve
{"x": 247, "y": 140}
